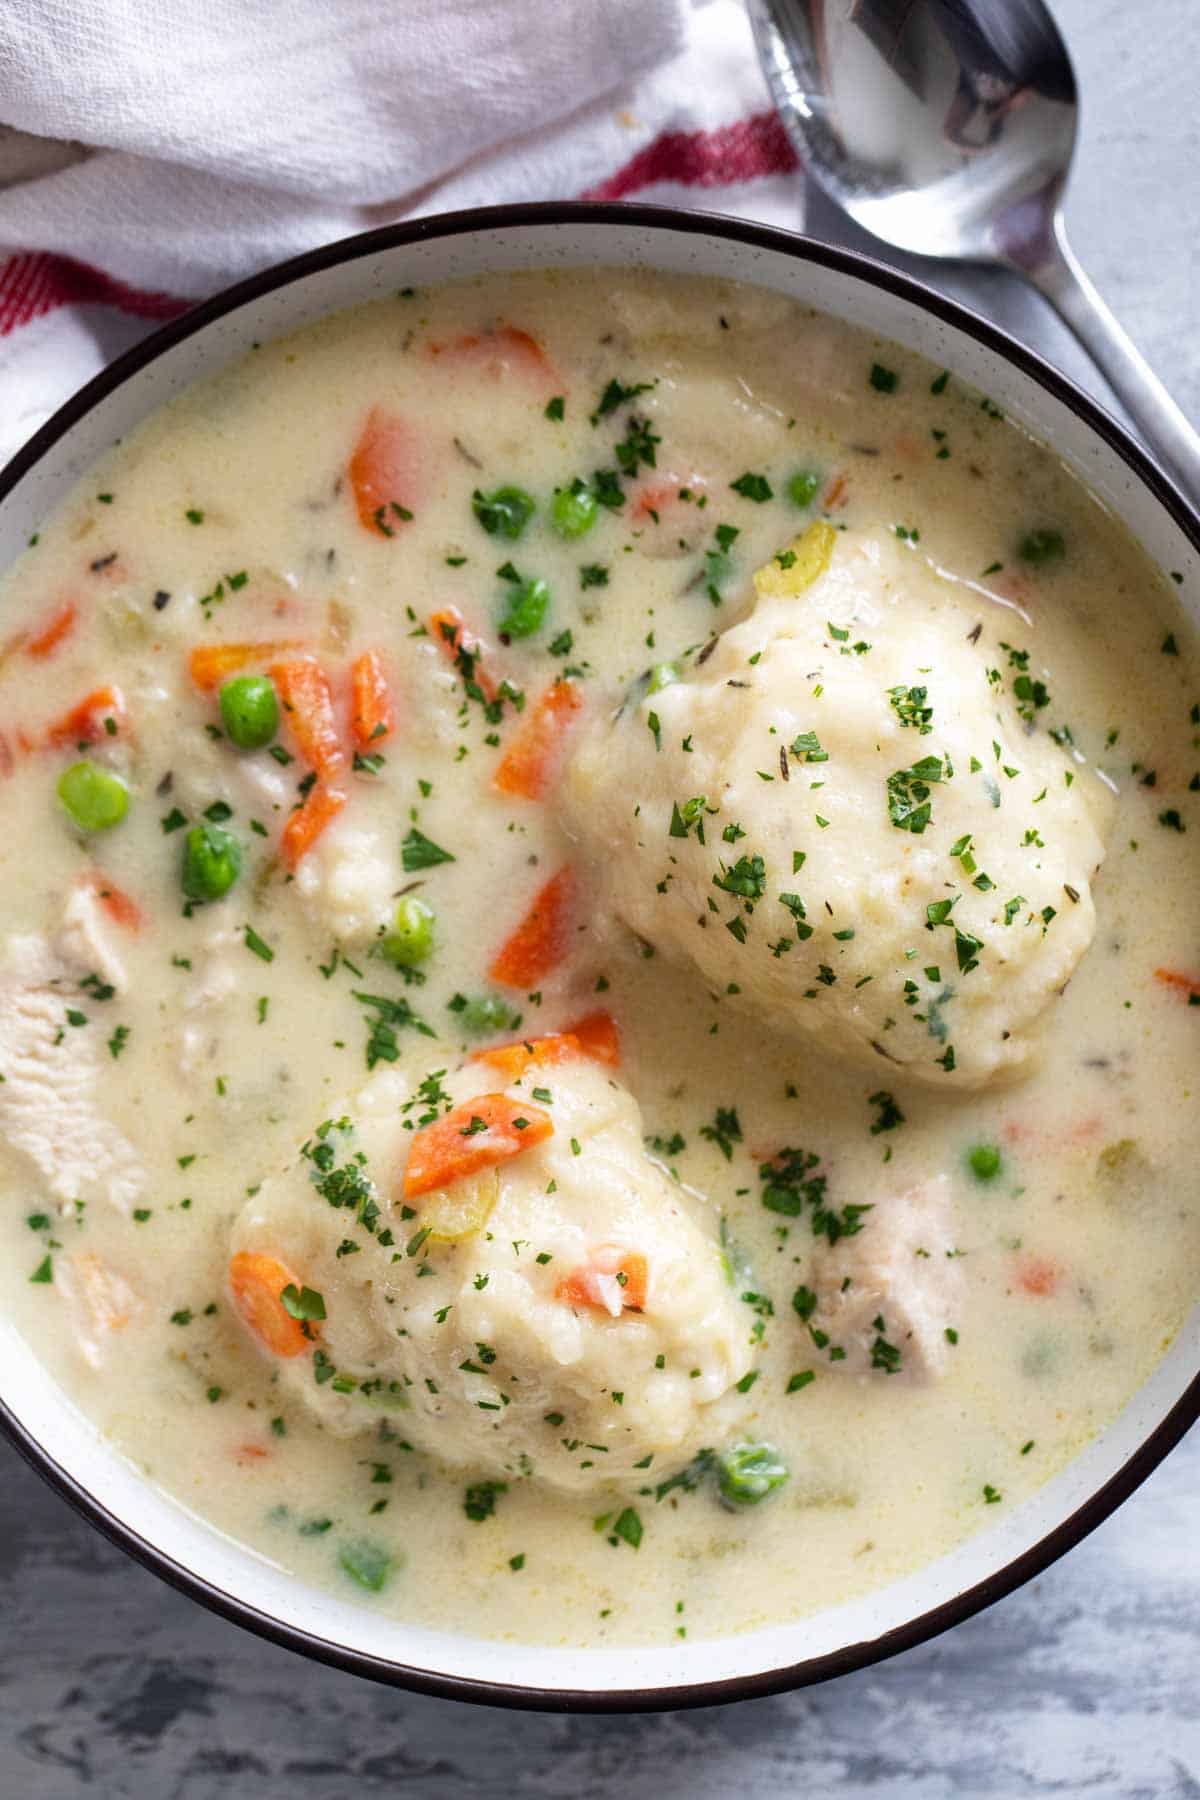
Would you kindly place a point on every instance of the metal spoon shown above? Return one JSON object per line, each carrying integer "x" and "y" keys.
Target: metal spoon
{"x": 946, "y": 128}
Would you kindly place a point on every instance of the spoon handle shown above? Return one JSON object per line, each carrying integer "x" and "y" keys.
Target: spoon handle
{"x": 1170, "y": 438}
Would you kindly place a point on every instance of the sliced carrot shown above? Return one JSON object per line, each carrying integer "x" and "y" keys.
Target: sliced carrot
{"x": 257, "y": 1283}
{"x": 476, "y": 1135}
{"x": 507, "y": 348}
{"x": 594, "y": 1037}
{"x": 449, "y": 632}
{"x": 51, "y": 636}
{"x": 598, "y": 1036}
{"x": 613, "y": 1279}
{"x": 212, "y": 664}
{"x": 530, "y": 764}
{"x": 542, "y": 938}
{"x": 100, "y": 714}
{"x": 321, "y": 807}
{"x": 372, "y": 714}
{"x": 383, "y": 473}
{"x": 116, "y": 903}
{"x": 514, "y": 1060}
{"x": 1038, "y": 1275}
{"x": 1183, "y": 984}
{"x": 250, "y": 1452}
{"x": 837, "y": 493}
{"x": 307, "y": 700}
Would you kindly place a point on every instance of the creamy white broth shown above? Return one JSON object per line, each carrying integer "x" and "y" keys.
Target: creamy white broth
{"x": 1078, "y": 1259}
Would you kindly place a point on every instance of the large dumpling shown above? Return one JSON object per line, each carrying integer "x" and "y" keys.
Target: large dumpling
{"x": 849, "y": 817}
{"x": 564, "y": 1313}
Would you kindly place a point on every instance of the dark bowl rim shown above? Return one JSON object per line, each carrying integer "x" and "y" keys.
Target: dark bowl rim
{"x": 1153, "y": 1448}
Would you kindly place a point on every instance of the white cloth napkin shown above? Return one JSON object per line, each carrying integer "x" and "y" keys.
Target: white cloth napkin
{"x": 177, "y": 146}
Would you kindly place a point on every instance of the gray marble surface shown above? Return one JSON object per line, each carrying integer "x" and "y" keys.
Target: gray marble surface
{"x": 1083, "y": 1683}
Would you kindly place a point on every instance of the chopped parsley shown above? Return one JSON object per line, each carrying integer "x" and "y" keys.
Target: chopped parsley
{"x": 753, "y": 487}
{"x": 420, "y": 852}
{"x": 911, "y": 707}
{"x": 385, "y": 1017}
{"x": 725, "y": 1131}
{"x": 909, "y": 805}
{"x": 890, "y": 1114}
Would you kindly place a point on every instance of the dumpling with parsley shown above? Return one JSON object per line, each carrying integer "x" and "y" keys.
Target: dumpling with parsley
{"x": 493, "y": 1262}
{"x": 850, "y": 810}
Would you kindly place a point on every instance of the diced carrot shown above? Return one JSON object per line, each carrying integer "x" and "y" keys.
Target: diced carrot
{"x": 116, "y": 903}
{"x": 449, "y": 632}
{"x": 594, "y": 1037}
{"x": 542, "y": 938}
{"x": 662, "y": 496}
{"x": 212, "y": 664}
{"x": 599, "y": 1038}
{"x": 1038, "y": 1275}
{"x": 837, "y": 493}
{"x": 383, "y": 473}
{"x": 372, "y": 714}
{"x": 321, "y": 807}
{"x": 1188, "y": 985}
{"x": 507, "y": 348}
{"x": 99, "y": 715}
{"x": 51, "y": 636}
{"x": 476, "y": 1135}
{"x": 257, "y": 1283}
{"x": 613, "y": 1279}
{"x": 307, "y": 700}
{"x": 530, "y": 764}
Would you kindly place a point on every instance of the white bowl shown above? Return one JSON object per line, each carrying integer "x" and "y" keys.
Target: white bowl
{"x": 66, "y": 1448}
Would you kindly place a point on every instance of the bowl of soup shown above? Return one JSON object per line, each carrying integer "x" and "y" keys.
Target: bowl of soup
{"x": 598, "y": 968}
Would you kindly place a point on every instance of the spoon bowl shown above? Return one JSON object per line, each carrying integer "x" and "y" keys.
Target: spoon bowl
{"x": 946, "y": 129}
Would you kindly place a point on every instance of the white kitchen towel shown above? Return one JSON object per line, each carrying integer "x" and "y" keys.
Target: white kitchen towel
{"x": 176, "y": 147}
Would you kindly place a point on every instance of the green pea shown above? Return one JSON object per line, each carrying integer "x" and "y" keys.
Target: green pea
{"x": 410, "y": 941}
{"x": 802, "y": 488}
{"x": 367, "y": 1563}
{"x": 526, "y": 604}
{"x": 250, "y": 711}
{"x": 985, "y": 1161}
{"x": 1042, "y": 546}
{"x": 662, "y": 675}
{"x": 485, "y": 1014}
{"x": 96, "y": 799}
{"x": 574, "y": 510}
{"x": 212, "y": 862}
{"x": 505, "y": 512}
{"x": 747, "y": 1473}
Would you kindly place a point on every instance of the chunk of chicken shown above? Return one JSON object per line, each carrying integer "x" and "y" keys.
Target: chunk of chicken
{"x": 48, "y": 1108}
{"x": 88, "y": 938}
{"x": 887, "y": 1295}
{"x": 99, "y": 1301}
